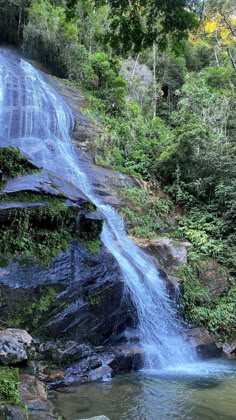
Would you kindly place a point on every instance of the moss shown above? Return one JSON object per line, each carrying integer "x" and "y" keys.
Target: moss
{"x": 33, "y": 310}
{"x": 95, "y": 299}
{"x": 9, "y": 382}
{"x": 90, "y": 207}
{"x": 31, "y": 198}
{"x": 13, "y": 163}
{"x": 38, "y": 232}
{"x": 92, "y": 245}
{"x": 3, "y": 262}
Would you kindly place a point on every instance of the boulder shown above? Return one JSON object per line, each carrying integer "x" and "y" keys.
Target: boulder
{"x": 90, "y": 363}
{"x": 15, "y": 346}
{"x": 169, "y": 252}
{"x": 229, "y": 349}
{"x": 105, "y": 363}
{"x": 33, "y": 394}
{"x": 203, "y": 342}
{"x": 12, "y": 412}
{"x": 97, "y": 418}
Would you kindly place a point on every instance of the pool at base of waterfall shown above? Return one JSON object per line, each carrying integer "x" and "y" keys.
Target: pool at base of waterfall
{"x": 201, "y": 391}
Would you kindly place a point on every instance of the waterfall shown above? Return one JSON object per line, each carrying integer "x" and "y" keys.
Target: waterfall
{"x": 35, "y": 118}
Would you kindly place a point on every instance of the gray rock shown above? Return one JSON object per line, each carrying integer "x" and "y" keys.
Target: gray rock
{"x": 96, "y": 418}
{"x": 90, "y": 304}
{"x": 33, "y": 394}
{"x": 104, "y": 363}
{"x": 44, "y": 182}
{"x": 169, "y": 252}
{"x": 204, "y": 343}
{"x": 11, "y": 412}
{"x": 15, "y": 346}
{"x": 229, "y": 349}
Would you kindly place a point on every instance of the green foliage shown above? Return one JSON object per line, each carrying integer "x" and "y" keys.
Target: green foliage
{"x": 9, "y": 381}
{"x": 106, "y": 82}
{"x": 30, "y": 313}
{"x": 144, "y": 214}
{"x": 92, "y": 245}
{"x": 40, "y": 233}
{"x": 217, "y": 315}
{"x": 138, "y": 25}
{"x": 13, "y": 163}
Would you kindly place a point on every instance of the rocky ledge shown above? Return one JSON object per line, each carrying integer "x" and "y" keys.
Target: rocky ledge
{"x": 57, "y": 363}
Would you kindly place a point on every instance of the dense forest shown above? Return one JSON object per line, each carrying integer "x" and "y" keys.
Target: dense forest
{"x": 161, "y": 77}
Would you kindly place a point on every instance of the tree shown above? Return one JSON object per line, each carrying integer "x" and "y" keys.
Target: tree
{"x": 138, "y": 24}
{"x": 220, "y": 28}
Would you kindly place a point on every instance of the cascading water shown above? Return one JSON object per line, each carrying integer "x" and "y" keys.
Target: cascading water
{"x": 35, "y": 118}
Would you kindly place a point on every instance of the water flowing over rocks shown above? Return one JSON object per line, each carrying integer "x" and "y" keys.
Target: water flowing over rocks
{"x": 40, "y": 123}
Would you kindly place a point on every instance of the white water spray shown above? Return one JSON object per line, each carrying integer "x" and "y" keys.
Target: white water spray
{"x": 35, "y": 118}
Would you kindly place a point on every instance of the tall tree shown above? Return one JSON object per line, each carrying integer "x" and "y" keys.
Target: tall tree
{"x": 137, "y": 24}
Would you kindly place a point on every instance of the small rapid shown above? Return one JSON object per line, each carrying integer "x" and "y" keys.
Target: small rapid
{"x": 36, "y": 119}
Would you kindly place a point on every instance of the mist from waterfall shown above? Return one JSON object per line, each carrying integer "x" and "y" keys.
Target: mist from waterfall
{"x": 36, "y": 119}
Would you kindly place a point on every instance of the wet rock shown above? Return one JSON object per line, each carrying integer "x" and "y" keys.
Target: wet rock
{"x": 89, "y": 302}
{"x": 15, "y": 346}
{"x": 63, "y": 353}
{"x": 105, "y": 363}
{"x": 229, "y": 349}
{"x": 11, "y": 412}
{"x": 45, "y": 183}
{"x": 97, "y": 418}
{"x": 204, "y": 343}
{"x": 169, "y": 253}
{"x": 127, "y": 359}
{"x": 33, "y": 394}
{"x": 214, "y": 277}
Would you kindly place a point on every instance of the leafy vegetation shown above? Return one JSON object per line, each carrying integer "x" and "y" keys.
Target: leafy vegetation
{"x": 218, "y": 315}
{"x": 13, "y": 163}
{"x": 9, "y": 381}
{"x": 33, "y": 310}
{"x": 167, "y": 118}
{"x": 40, "y": 233}
{"x": 146, "y": 215}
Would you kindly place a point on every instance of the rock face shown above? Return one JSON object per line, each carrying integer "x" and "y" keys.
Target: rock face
{"x": 170, "y": 253}
{"x": 80, "y": 296}
{"x": 44, "y": 183}
{"x": 15, "y": 346}
{"x": 204, "y": 343}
